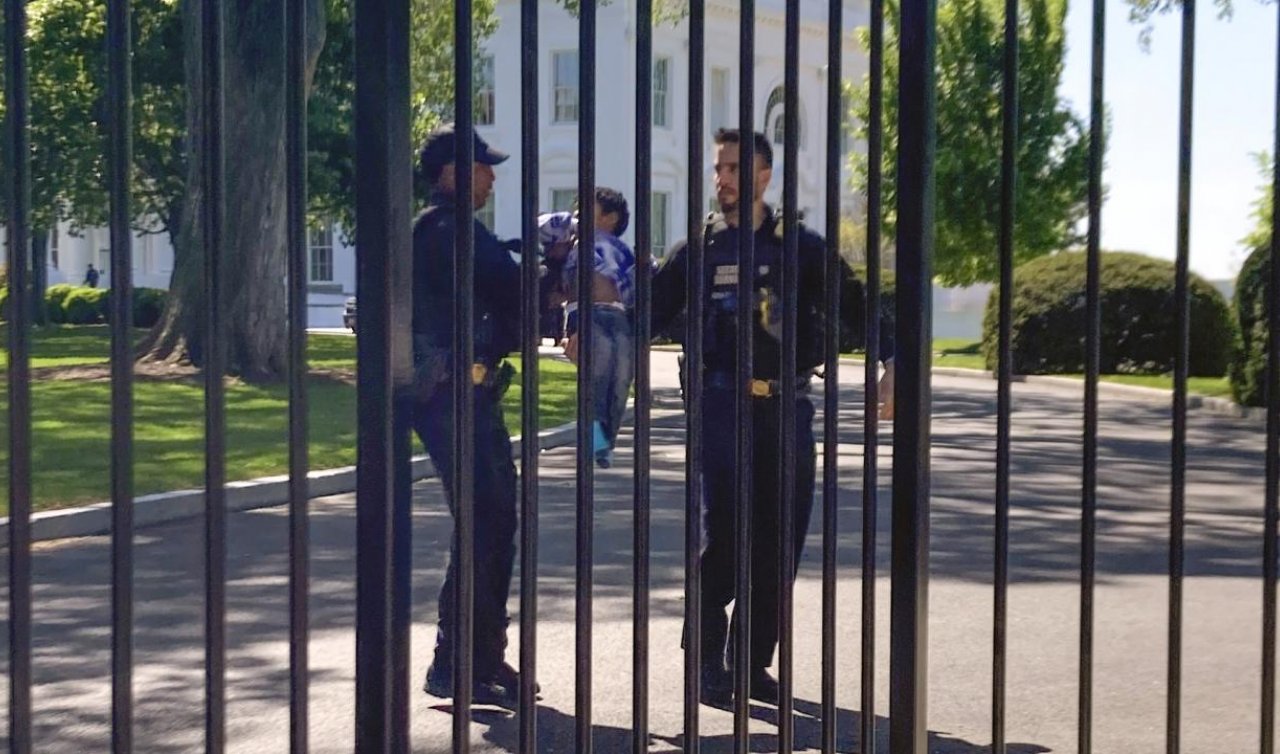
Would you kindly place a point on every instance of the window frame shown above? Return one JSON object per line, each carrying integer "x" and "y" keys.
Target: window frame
{"x": 567, "y": 88}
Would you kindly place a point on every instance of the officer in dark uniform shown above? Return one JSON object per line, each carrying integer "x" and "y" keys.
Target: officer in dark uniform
{"x": 720, "y": 502}
{"x": 497, "y": 333}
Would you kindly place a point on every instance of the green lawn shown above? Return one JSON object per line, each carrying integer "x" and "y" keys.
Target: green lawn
{"x": 967, "y": 354}
{"x": 64, "y": 345}
{"x": 71, "y": 424}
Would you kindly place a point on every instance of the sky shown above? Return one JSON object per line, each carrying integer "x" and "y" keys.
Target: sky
{"x": 1233, "y": 118}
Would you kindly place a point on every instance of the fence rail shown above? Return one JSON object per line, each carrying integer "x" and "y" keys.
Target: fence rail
{"x": 383, "y": 685}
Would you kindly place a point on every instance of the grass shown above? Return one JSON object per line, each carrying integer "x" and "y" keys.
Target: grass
{"x": 967, "y": 354}
{"x": 65, "y": 345}
{"x": 71, "y": 428}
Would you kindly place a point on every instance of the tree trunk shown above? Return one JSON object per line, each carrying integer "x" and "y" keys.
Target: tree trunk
{"x": 254, "y": 301}
{"x": 39, "y": 275}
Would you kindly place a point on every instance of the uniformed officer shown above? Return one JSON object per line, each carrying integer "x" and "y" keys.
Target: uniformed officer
{"x": 720, "y": 502}
{"x": 497, "y": 333}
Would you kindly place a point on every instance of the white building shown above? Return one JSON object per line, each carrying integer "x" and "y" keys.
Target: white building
{"x": 332, "y": 261}
{"x": 500, "y": 97}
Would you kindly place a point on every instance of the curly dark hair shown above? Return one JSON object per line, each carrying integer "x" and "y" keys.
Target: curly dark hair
{"x": 611, "y": 201}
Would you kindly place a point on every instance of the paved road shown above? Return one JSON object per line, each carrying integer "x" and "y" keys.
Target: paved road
{"x": 1222, "y": 644}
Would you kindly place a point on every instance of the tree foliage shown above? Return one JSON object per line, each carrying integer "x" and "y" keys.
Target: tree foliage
{"x": 68, "y": 66}
{"x": 1052, "y": 150}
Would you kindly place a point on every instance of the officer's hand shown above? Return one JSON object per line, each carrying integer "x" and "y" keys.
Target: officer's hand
{"x": 886, "y": 392}
{"x": 570, "y": 346}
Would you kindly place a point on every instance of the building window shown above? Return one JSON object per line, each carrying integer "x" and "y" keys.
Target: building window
{"x": 487, "y": 213}
{"x": 564, "y": 66}
{"x": 774, "y": 122}
{"x": 320, "y": 247}
{"x": 562, "y": 199}
{"x": 53, "y": 246}
{"x": 661, "y": 88}
{"x": 719, "y": 115}
{"x": 484, "y": 87}
{"x": 659, "y": 222}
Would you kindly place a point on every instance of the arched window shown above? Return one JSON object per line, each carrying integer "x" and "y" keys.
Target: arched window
{"x": 774, "y": 122}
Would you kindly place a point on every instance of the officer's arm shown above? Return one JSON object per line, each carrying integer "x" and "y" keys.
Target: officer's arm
{"x": 497, "y": 273}
{"x": 669, "y": 288}
{"x": 813, "y": 286}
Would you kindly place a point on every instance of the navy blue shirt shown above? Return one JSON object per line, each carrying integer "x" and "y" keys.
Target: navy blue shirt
{"x": 497, "y": 283}
{"x": 721, "y": 305}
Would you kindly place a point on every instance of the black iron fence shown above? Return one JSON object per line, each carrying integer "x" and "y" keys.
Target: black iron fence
{"x": 383, "y": 191}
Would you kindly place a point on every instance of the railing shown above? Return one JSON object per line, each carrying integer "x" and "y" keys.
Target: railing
{"x": 383, "y": 194}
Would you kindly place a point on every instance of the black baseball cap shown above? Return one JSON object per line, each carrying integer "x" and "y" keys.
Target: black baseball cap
{"x": 440, "y": 149}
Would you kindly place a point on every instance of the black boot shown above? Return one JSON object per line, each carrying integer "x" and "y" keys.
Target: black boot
{"x": 717, "y": 686}
{"x": 763, "y": 687}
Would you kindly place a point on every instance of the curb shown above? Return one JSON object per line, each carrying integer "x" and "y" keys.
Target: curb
{"x": 1205, "y": 403}
{"x": 248, "y": 494}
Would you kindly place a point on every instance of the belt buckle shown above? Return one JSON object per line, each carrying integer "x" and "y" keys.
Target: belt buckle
{"x": 478, "y": 374}
{"x": 760, "y": 388}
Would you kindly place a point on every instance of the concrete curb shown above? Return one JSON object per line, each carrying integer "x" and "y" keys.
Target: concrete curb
{"x": 1205, "y": 403}
{"x": 264, "y": 492}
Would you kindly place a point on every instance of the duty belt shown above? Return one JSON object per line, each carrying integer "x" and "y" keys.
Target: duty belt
{"x": 756, "y": 388}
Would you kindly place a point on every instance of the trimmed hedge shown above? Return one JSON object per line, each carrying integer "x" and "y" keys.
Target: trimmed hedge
{"x": 148, "y": 306}
{"x": 55, "y": 297}
{"x": 1137, "y": 305}
{"x": 68, "y": 304}
{"x": 1249, "y": 367}
{"x": 85, "y": 306}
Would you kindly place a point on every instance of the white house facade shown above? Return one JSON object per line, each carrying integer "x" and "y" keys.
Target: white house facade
{"x": 331, "y": 267}
{"x": 616, "y": 76}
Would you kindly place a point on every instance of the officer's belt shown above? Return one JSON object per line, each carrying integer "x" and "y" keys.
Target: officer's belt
{"x": 757, "y": 388}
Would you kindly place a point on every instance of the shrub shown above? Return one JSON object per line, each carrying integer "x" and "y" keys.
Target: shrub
{"x": 85, "y": 306}
{"x": 1249, "y": 367}
{"x": 55, "y": 297}
{"x": 1137, "y": 305}
{"x": 148, "y": 305}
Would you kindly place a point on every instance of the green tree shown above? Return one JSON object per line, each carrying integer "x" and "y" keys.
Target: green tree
{"x": 1052, "y": 150}
{"x": 69, "y": 143}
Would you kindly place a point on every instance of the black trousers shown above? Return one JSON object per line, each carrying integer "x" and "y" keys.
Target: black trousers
{"x": 720, "y": 505}
{"x": 494, "y": 516}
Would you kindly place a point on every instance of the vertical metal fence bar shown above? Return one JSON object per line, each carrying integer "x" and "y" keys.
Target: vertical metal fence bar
{"x": 529, "y": 444}
{"x": 382, "y": 214}
{"x": 871, "y": 385}
{"x": 693, "y": 382}
{"x": 586, "y": 459}
{"x": 1271, "y": 501}
{"x": 463, "y": 392}
{"x": 911, "y": 432}
{"x": 1178, "y": 472}
{"x": 1004, "y": 399}
{"x": 787, "y": 372}
{"x": 215, "y": 475}
{"x": 644, "y": 257}
{"x": 745, "y": 355}
{"x": 831, "y": 371}
{"x": 299, "y": 535}
{"x": 19, "y": 231}
{"x": 1089, "y": 492}
{"x": 120, "y": 158}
